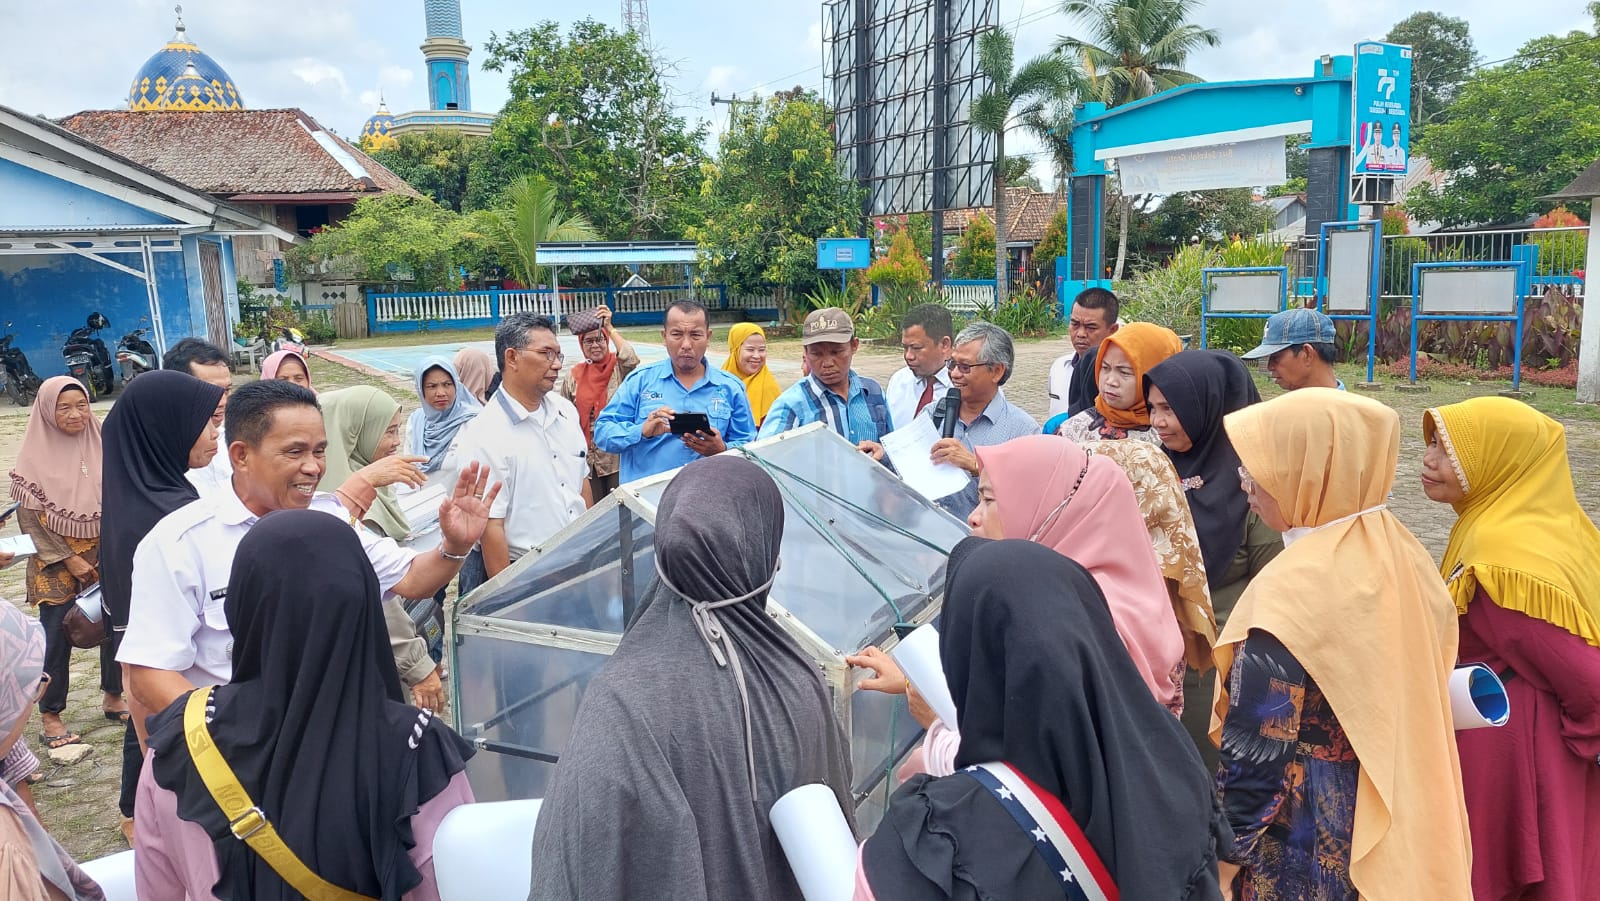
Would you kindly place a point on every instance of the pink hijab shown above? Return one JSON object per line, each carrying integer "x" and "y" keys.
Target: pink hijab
{"x": 477, "y": 370}
{"x": 1102, "y": 529}
{"x": 269, "y": 366}
{"x": 58, "y": 474}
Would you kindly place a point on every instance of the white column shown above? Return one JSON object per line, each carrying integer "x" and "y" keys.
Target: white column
{"x": 1589, "y": 335}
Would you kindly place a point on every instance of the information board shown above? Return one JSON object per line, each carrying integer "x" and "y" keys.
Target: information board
{"x": 1380, "y": 127}
{"x": 844, "y": 253}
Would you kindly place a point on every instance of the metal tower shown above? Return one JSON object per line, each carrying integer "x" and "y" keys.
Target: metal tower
{"x": 636, "y": 18}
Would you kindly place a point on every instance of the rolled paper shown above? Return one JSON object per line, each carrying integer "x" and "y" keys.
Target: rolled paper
{"x": 818, "y": 842}
{"x": 1478, "y": 698}
{"x": 918, "y": 656}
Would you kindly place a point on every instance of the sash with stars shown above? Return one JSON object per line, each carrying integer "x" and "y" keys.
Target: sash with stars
{"x": 1057, "y": 839}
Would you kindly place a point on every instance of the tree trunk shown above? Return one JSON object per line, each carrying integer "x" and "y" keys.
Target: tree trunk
{"x": 1001, "y": 258}
{"x": 1122, "y": 237}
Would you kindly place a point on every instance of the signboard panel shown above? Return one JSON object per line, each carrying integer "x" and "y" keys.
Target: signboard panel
{"x": 1254, "y": 292}
{"x": 1246, "y": 164}
{"x": 1349, "y": 271}
{"x": 1458, "y": 292}
{"x": 844, "y": 253}
{"x": 1380, "y": 127}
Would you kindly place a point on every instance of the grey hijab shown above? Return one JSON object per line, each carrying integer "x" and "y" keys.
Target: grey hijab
{"x": 705, "y": 716}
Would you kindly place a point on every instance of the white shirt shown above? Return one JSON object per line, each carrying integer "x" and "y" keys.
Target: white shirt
{"x": 180, "y": 581}
{"x": 541, "y": 459}
{"x": 905, "y": 389}
{"x": 1060, "y": 381}
{"x": 216, "y": 477}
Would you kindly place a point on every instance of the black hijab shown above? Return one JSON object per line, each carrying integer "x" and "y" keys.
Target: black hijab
{"x": 1042, "y": 682}
{"x": 313, "y": 724}
{"x": 146, "y": 437}
{"x": 1202, "y": 386}
{"x": 653, "y": 796}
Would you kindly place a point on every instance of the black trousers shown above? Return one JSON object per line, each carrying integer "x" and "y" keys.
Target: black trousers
{"x": 58, "y": 660}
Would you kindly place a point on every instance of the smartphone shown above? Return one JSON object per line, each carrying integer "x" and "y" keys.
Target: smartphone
{"x": 6, "y": 513}
{"x": 688, "y": 423}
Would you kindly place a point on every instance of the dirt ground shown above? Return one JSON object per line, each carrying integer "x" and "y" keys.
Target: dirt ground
{"x": 78, "y": 802}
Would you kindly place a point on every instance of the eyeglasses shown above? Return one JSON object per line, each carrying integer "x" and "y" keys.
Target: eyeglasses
{"x": 963, "y": 368}
{"x": 554, "y": 356}
{"x": 596, "y": 341}
{"x": 1246, "y": 484}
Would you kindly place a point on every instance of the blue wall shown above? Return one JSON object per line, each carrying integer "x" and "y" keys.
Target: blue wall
{"x": 34, "y": 199}
{"x": 47, "y": 296}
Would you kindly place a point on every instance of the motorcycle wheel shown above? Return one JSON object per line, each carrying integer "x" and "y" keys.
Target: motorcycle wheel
{"x": 88, "y": 388}
{"x": 15, "y": 393}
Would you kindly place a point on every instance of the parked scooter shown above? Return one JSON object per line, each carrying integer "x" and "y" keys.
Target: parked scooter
{"x": 135, "y": 355}
{"x": 87, "y": 359}
{"x": 21, "y": 382}
{"x": 289, "y": 338}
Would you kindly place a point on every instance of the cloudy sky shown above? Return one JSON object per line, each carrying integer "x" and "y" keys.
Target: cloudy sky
{"x": 332, "y": 57}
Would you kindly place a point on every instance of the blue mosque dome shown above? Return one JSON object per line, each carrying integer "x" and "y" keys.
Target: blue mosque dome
{"x": 182, "y": 77}
{"x": 375, "y": 133}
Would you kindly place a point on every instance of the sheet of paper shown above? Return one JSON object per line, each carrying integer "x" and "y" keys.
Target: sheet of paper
{"x": 816, "y": 838}
{"x": 909, "y": 448}
{"x": 918, "y": 656}
{"x": 20, "y": 545}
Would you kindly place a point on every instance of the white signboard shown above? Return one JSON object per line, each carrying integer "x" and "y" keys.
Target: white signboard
{"x": 1458, "y": 292}
{"x": 1247, "y": 164}
{"x": 1246, "y": 292}
{"x": 1349, "y": 271}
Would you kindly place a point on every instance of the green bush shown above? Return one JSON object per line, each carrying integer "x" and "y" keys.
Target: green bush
{"x": 1560, "y": 252}
{"x": 974, "y": 257}
{"x": 1025, "y": 313}
{"x": 901, "y": 268}
{"x": 1170, "y": 295}
{"x": 882, "y": 320}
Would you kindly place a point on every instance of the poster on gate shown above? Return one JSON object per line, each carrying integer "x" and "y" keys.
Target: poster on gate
{"x": 1380, "y": 126}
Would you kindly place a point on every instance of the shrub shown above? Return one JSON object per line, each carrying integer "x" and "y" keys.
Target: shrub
{"x": 902, "y": 268}
{"x": 1170, "y": 295}
{"x": 974, "y": 257}
{"x": 1258, "y": 251}
{"x": 1025, "y": 313}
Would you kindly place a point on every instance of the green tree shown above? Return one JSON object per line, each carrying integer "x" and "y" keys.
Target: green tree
{"x": 1010, "y": 96}
{"x": 1051, "y": 245}
{"x": 902, "y": 268}
{"x": 388, "y": 239}
{"x": 437, "y": 163}
{"x": 1441, "y": 59}
{"x": 1051, "y": 124}
{"x": 774, "y": 189}
{"x": 590, "y": 112}
{"x": 1019, "y": 173}
{"x": 1134, "y": 48}
{"x": 974, "y": 256}
{"x": 1515, "y": 133}
{"x": 533, "y": 215}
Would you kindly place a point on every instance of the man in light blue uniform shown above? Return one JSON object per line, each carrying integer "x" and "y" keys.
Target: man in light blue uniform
{"x": 851, "y": 404}
{"x": 637, "y": 423}
{"x": 1299, "y": 345}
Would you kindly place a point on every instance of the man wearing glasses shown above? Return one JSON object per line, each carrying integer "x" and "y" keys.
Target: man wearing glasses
{"x": 637, "y": 424}
{"x": 980, "y": 363}
{"x": 590, "y": 384}
{"x": 530, "y": 439}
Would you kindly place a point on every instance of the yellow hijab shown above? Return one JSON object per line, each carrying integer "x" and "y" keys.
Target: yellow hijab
{"x": 1521, "y": 534}
{"x": 1359, "y": 604}
{"x": 762, "y": 388}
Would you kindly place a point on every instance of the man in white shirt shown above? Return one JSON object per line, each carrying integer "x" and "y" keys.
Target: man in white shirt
{"x": 1093, "y": 318}
{"x": 529, "y": 438}
{"x": 208, "y": 363}
{"x": 926, "y": 336}
{"x": 178, "y": 636}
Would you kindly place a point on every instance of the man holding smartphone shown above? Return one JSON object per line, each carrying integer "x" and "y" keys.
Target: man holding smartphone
{"x": 638, "y": 423}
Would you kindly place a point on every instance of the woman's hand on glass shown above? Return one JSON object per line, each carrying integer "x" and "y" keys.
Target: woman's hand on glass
{"x": 395, "y": 469}
{"x": 887, "y": 676}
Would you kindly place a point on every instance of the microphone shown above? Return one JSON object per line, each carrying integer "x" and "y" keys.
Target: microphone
{"x": 952, "y": 413}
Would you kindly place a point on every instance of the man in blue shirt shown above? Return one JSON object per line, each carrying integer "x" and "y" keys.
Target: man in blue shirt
{"x": 852, "y": 405}
{"x": 983, "y": 360}
{"x": 637, "y": 423}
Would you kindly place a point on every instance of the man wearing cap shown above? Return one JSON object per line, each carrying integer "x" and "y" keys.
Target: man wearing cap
{"x": 590, "y": 384}
{"x": 1299, "y": 347}
{"x": 852, "y": 405}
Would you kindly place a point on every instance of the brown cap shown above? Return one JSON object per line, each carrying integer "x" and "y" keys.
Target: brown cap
{"x": 827, "y": 325}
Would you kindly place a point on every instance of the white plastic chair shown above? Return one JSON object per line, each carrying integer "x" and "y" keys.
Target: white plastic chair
{"x": 484, "y": 852}
{"x": 115, "y": 875}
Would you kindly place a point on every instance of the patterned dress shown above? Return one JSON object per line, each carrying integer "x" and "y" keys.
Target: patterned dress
{"x": 1091, "y": 426}
{"x": 1288, "y": 780}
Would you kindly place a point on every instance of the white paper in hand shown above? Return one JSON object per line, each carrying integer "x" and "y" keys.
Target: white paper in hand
{"x": 818, "y": 842}
{"x": 910, "y": 448}
{"x": 918, "y": 656}
{"x": 19, "y": 545}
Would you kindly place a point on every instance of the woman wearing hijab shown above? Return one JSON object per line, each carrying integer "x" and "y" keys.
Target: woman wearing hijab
{"x": 1029, "y": 652}
{"x": 33, "y": 866}
{"x": 1523, "y": 567}
{"x": 56, "y": 484}
{"x": 590, "y": 384}
{"x": 1120, "y": 410}
{"x": 288, "y": 366}
{"x": 363, "y": 427}
{"x": 354, "y": 780}
{"x": 1339, "y": 774}
{"x": 705, "y": 716}
{"x": 477, "y": 370}
{"x": 158, "y": 430}
{"x": 747, "y": 360}
{"x": 1189, "y": 394}
{"x": 446, "y": 407}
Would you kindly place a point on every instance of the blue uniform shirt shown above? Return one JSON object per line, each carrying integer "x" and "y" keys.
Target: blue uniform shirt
{"x": 617, "y": 430}
{"x": 852, "y": 419}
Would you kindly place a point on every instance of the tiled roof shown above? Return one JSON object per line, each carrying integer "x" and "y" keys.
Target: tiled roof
{"x": 230, "y": 152}
{"x": 1028, "y": 214}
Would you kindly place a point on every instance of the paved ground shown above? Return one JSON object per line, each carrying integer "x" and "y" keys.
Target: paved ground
{"x": 79, "y": 801}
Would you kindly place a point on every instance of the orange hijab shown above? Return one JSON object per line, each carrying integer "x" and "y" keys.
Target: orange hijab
{"x": 1145, "y": 345}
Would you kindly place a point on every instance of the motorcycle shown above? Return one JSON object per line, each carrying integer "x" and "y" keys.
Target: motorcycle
{"x": 135, "y": 355}
{"x": 289, "y": 338}
{"x": 21, "y": 382}
{"x": 87, "y": 359}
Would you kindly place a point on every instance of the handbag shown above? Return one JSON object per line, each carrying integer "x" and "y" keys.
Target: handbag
{"x": 85, "y": 622}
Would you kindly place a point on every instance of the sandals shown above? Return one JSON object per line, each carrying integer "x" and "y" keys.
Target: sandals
{"x": 52, "y": 742}
{"x": 34, "y": 778}
{"x": 118, "y": 716}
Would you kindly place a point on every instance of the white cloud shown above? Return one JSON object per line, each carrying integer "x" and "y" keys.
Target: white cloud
{"x": 721, "y": 79}
{"x": 813, "y": 44}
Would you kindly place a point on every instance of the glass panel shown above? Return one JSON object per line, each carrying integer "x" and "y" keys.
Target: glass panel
{"x": 578, "y": 583}
{"x": 883, "y": 734}
{"x": 525, "y": 698}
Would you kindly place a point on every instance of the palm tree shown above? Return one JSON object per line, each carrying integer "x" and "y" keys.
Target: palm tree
{"x": 1009, "y": 98}
{"x": 531, "y": 217}
{"x": 1135, "y": 48}
{"x": 1052, "y": 125}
